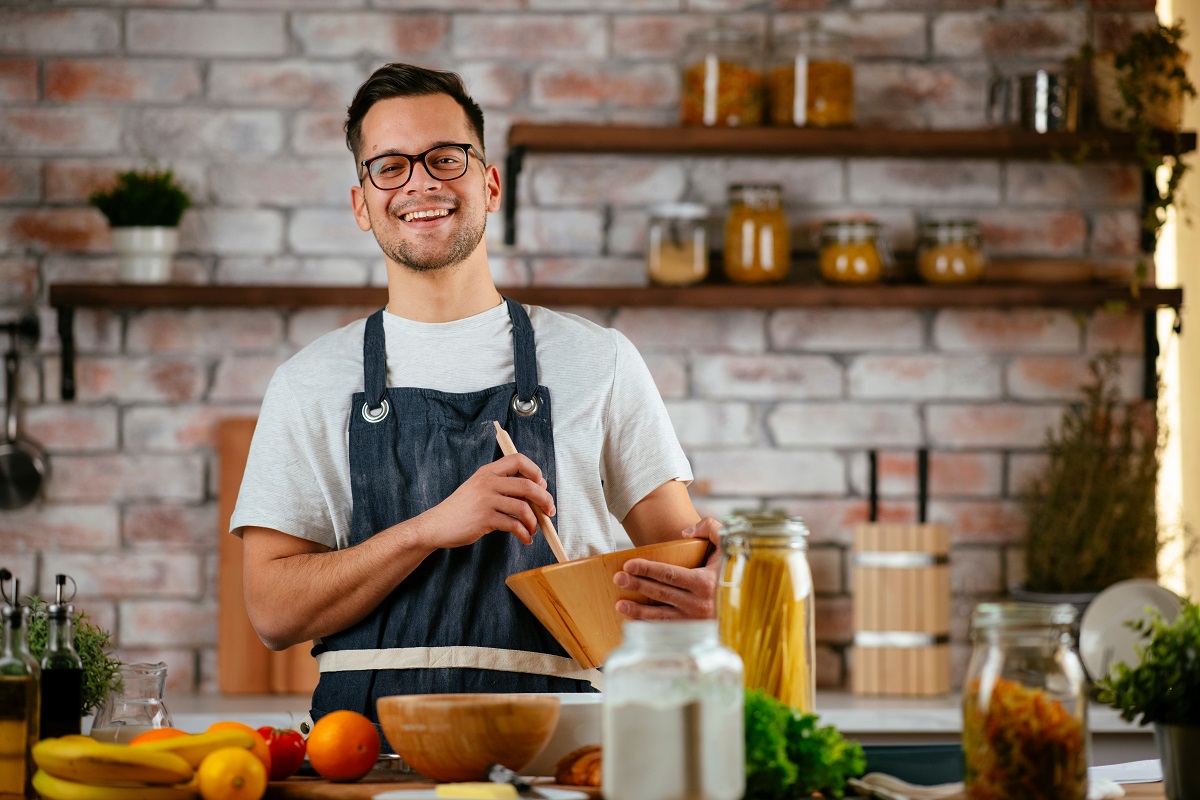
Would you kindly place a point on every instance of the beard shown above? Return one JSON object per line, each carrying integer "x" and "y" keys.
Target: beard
{"x": 425, "y": 257}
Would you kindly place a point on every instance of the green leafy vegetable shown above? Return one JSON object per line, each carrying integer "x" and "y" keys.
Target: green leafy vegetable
{"x": 788, "y": 755}
{"x": 101, "y": 672}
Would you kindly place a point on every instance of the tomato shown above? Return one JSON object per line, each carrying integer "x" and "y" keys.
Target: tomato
{"x": 287, "y": 750}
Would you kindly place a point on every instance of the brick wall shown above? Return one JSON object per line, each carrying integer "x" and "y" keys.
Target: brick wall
{"x": 774, "y": 408}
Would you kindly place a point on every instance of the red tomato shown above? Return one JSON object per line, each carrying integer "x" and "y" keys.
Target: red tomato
{"x": 287, "y": 750}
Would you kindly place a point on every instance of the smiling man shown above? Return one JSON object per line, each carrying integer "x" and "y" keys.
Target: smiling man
{"x": 378, "y": 517}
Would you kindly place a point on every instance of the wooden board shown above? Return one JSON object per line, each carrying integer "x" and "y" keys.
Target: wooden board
{"x": 300, "y": 788}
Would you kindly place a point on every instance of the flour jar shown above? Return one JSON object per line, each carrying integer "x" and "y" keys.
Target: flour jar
{"x": 673, "y": 714}
{"x": 677, "y": 244}
{"x": 723, "y": 83}
{"x": 757, "y": 240}
{"x": 1025, "y": 705}
{"x": 764, "y": 604}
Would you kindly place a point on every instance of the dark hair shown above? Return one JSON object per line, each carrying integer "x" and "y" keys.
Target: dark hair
{"x": 406, "y": 80}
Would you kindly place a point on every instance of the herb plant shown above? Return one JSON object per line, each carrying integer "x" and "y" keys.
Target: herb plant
{"x": 1164, "y": 686}
{"x": 143, "y": 198}
{"x": 101, "y": 672}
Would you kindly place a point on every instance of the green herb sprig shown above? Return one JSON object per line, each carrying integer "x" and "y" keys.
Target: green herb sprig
{"x": 143, "y": 198}
{"x": 1164, "y": 686}
{"x": 101, "y": 671}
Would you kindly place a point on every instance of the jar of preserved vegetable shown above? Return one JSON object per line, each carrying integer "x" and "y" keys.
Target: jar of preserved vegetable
{"x": 764, "y": 604}
{"x": 723, "y": 83}
{"x": 852, "y": 251}
{"x": 1025, "y": 705}
{"x": 950, "y": 251}
{"x": 811, "y": 81}
{"x": 677, "y": 244}
{"x": 757, "y": 244}
{"x": 673, "y": 714}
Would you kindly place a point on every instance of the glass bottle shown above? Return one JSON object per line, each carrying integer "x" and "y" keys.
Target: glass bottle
{"x": 764, "y": 604}
{"x": 811, "y": 81}
{"x": 135, "y": 706}
{"x": 19, "y": 690}
{"x": 950, "y": 251}
{"x": 851, "y": 251}
{"x": 757, "y": 243}
{"x": 673, "y": 714}
{"x": 1025, "y": 705}
{"x": 677, "y": 244}
{"x": 722, "y": 79}
{"x": 62, "y": 670}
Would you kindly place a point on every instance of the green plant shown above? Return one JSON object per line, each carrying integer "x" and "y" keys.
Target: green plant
{"x": 1164, "y": 686}
{"x": 101, "y": 672}
{"x": 143, "y": 198}
{"x": 1091, "y": 516}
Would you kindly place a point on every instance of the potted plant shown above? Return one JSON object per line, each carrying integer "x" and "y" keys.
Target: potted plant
{"x": 1091, "y": 517}
{"x": 1163, "y": 689}
{"x": 144, "y": 208}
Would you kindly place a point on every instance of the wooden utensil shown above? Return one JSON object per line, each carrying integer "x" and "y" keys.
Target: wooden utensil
{"x": 508, "y": 448}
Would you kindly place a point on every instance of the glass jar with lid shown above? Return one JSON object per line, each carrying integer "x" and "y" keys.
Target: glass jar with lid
{"x": 852, "y": 251}
{"x": 723, "y": 83}
{"x": 765, "y": 604}
{"x": 1025, "y": 705}
{"x": 950, "y": 251}
{"x": 673, "y": 714}
{"x": 757, "y": 243}
{"x": 677, "y": 244}
{"x": 811, "y": 80}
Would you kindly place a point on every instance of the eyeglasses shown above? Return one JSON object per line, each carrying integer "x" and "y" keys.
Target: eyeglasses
{"x": 446, "y": 162}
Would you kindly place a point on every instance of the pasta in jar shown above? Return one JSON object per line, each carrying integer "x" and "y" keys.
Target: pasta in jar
{"x": 723, "y": 84}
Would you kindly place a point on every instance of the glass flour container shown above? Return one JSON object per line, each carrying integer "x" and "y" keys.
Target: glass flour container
{"x": 723, "y": 83}
{"x": 811, "y": 80}
{"x": 677, "y": 244}
{"x": 757, "y": 242}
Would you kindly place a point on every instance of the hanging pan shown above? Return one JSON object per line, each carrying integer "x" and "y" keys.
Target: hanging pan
{"x": 22, "y": 462}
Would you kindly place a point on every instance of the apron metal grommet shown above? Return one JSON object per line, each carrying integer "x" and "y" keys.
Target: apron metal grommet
{"x": 526, "y": 408}
{"x": 375, "y": 414}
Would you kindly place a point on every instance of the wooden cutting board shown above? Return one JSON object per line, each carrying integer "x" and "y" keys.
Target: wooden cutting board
{"x": 301, "y": 788}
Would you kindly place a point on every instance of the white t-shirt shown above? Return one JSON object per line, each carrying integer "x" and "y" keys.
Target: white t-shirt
{"x": 613, "y": 440}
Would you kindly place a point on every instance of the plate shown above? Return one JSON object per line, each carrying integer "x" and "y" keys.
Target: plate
{"x": 1104, "y": 638}
{"x": 431, "y": 794}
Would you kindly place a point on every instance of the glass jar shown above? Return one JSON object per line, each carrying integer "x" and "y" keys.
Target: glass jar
{"x": 757, "y": 245}
{"x": 852, "y": 251}
{"x": 135, "y": 706}
{"x": 950, "y": 251}
{"x": 1025, "y": 705}
{"x": 811, "y": 81}
{"x": 673, "y": 714}
{"x": 723, "y": 82}
{"x": 764, "y": 605}
{"x": 677, "y": 244}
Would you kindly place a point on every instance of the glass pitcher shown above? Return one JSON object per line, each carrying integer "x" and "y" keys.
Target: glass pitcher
{"x": 135, "y": 706}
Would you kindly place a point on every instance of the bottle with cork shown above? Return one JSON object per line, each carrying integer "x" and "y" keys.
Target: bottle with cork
{"x": 62, "y": 670}
{"x": 19, "y": 695}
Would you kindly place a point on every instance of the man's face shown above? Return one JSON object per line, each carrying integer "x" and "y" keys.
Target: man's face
{"x": 427, "y": 224}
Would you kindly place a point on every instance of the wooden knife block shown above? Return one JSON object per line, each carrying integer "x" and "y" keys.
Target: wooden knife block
{"x": 901, "y": 602}
{"x": 244, "y": 664}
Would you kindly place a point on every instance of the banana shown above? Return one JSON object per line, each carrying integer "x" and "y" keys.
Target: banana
{"x": 52, "y": 788}
{"x": 93, "y": 762}
{"x": 194, "y": 747}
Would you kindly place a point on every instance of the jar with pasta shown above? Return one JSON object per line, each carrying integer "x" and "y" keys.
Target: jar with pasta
{"x": 723, "y": 83}
{"x": 811, "y": 80}
{"x": 950, "y": 251}
{"x": 1024, "y": 705}
{"x": 852, "y": 251}
{"x": 764, "y": 605}
{"x": 757, "y": 244}
{"x": 677, "y": 244}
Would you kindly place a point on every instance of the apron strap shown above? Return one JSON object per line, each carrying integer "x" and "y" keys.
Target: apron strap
{"x": 490, "y": 658}
{"x": 524, "y": 353}
{"x": 374, "y": 361}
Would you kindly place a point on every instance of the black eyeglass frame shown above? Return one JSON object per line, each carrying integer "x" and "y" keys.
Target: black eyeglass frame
{"x": 413, "y": 160}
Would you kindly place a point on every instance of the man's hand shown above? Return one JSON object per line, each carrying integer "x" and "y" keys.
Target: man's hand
{"x": 675, "y": 592}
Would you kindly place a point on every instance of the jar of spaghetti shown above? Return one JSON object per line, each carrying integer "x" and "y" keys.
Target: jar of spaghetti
{"x": 852, "y": 251}
{"x": 764, "y": 604}
{"x": 811, "y": 80}
{"x": 1025, "y": 705}
{"x": 757, "y": 244}
{"x": 677, "y": 244}
{"x": 950, "y": 251}
{"x": 723, "y": 83}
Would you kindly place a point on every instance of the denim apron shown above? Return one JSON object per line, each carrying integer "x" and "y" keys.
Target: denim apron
{"x": 452, "y": 625}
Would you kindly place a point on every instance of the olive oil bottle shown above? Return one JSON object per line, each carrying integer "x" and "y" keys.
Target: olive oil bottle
{"x": 19, "y": 690}
{"x": 62, "y": 670}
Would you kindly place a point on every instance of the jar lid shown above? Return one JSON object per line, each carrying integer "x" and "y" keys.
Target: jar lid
{"x": 722, "y": 34}
{"x": 1023, "y": 615}
{"x": 680, "y": 211}
{"x": 850, "y": 230}
{"x": 812, "y": 35}
{"x": 756, "y": 193}
{"x": 950, "y": 230}
{"x": 765, "y": 523}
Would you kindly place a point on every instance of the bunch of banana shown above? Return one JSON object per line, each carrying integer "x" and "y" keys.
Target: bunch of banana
{"x": 81, "y": 768}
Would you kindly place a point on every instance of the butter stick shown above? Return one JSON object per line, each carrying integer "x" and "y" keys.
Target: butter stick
{"x": 469, "y": 791}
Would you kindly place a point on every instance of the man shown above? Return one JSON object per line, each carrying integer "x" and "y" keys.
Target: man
{"x": 377, "y": 515}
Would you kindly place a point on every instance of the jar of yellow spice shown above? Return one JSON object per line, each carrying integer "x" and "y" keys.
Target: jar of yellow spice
{"x": 757, "y": 242}
{"x": 950, "y": 251}
{"x": 811, "y": 80}
{"x": 853, "y": 252}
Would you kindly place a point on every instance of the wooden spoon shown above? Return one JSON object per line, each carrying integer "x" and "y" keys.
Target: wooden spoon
{"x": 508, "y": 448}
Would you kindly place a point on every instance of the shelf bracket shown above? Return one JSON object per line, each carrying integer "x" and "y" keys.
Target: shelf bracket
{"x": 66, "y": 338}
{"x": 512, "y": 170}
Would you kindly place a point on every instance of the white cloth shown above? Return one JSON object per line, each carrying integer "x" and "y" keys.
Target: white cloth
{"x": 887, "y": 787}
{"x": 613, "y": 440}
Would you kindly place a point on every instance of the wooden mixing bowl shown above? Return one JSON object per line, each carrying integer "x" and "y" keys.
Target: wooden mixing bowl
{"x": 576, "y": 600}
{"x": 456, "y": 737}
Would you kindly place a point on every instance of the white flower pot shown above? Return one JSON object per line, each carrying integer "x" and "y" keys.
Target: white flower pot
{"x": 144, "y": 253}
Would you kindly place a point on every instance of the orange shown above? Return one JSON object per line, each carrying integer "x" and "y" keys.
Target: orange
{"x": 155, "y": 734}
{"x": 231, "y": 773}
{"x": 260, "y": 749}
{"x": 343, "y": 746}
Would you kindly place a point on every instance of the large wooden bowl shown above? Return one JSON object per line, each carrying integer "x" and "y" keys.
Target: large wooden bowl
{"x": 576, "y": 600}
{"x": 456, "y": 737}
